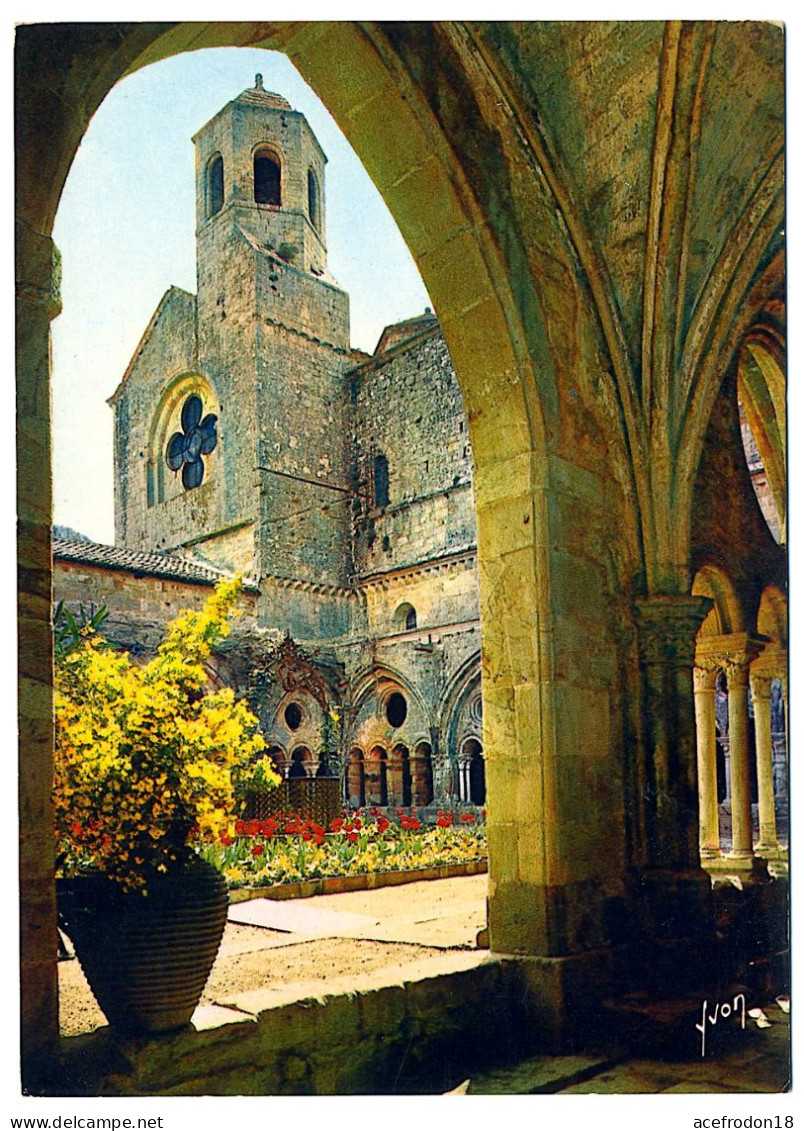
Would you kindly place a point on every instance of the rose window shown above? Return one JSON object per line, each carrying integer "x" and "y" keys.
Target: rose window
{"x": 197, "y": 438}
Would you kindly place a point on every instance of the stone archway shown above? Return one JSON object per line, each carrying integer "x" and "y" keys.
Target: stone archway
{"x": 526, "y": 495}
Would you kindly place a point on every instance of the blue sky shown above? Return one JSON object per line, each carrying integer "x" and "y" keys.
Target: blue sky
{"x": 126, "y": 231}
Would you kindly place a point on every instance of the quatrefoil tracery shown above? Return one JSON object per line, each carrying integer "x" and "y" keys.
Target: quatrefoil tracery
{"x": 197, "y": 438}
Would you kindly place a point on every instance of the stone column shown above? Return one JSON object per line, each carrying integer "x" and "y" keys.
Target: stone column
{"x": 37, "y": 286}
{"x": 667, "y": 631}
{"x": 736, "y": 668}
{"x": 396, "y": 776}
{"x": 708, "y": 818}
{"x": 355, "y": 793}
{"x": 376, "y": 777}
{"x": 761, "y": 693}
{"x": 420, "y": 776}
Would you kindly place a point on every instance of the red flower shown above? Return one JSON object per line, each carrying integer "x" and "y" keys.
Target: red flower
{"x": 319, "y": 838}
{"x": 240, "y": 828}
{"x": 351, "y": 837}
{"x": 76, "y": 829}
{"x": 257, "y": 850}
{"x": 358, "y": 823}
{"x": 468, "y": 818}
{"x": 336, "y": 825}
{"x": 226, "y": 841}
{"x": 382, "y": 824}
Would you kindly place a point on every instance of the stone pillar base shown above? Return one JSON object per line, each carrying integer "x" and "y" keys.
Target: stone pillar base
{"x": 563, "y": 998}
{"x": 674, "y": 903}
{"x": 674, "y": 926}
{"x": 738, "y": 865}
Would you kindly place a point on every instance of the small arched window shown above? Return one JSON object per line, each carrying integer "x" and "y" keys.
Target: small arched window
{"x": 313, "y": 199}
{"x": 405, "y": 618}
{"x": 215, "y": 185}
{"x": 267, "y": 178}
{"x": 381, "y": 480}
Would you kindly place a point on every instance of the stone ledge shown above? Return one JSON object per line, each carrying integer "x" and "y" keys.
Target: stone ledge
{"x": 335, "y": 885}
{"x": 424, "y": 1032}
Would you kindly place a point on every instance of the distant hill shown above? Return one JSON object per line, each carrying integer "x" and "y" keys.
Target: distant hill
{"x": 67, "y": 534}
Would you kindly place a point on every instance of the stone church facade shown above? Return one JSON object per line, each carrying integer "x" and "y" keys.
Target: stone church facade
{"x": 250, "y": 437}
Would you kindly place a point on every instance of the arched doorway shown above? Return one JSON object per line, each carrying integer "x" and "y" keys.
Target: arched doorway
{"x": 421, "y": 773}
{"x": 301, "y": 763}
{"x": 472, "y": 773}
{"x": 355, "y": 780}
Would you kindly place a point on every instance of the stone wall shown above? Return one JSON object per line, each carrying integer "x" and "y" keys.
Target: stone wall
{"x": 140, "y": 606}
{"x": 408, "y": 409}
{"x": 425, "y": 1035}
{"x": 303, "y": 473}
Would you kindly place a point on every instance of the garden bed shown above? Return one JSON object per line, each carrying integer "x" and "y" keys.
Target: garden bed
{"x": 334, "y": 885}
{"x": 284, "y": 857}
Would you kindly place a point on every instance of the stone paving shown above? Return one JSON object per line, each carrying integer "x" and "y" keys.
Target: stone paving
{"x": 274, "y": 954}
{"x": 754, "y": 1060}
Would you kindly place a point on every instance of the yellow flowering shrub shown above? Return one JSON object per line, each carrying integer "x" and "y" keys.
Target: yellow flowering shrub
{"x": 146, "y": 761}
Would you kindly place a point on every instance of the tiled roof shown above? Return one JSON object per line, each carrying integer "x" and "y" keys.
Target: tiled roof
{"x": 258, "y": 96}
{"x": 141, "y": 563}
{"x": 403, "y": 331}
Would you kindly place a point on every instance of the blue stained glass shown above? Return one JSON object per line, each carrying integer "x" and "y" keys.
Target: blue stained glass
{"x": 197, "y": 437}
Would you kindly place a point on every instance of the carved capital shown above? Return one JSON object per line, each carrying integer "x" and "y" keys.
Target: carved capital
{"x": 761, "y": 684}
{"x": 736, "y": 669}
{"x": 704, "y": 678}
{"x": 731, "y": 652}
{"x": 668, "y": 627}
{"x": 772, "y": 662}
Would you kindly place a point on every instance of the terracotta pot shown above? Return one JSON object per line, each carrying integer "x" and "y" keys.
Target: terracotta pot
{"x": 146, "y": 958}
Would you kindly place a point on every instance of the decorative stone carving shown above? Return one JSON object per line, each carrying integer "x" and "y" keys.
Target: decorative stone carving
{"x": 295, "y": 670}
{"x": 668, "y": 626}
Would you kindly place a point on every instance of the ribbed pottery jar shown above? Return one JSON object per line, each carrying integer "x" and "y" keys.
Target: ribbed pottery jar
{"x": 146, "y": 958}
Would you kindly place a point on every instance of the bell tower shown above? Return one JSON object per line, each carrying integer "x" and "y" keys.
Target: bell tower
{"x": 259, "y": 165}
{"x": 273, "y": 333}
{"x": 232, "y": 417}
